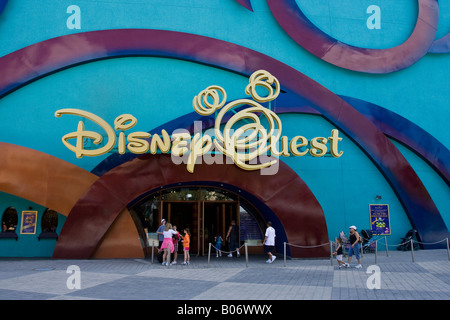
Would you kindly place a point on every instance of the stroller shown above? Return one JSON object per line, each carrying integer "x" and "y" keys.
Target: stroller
{"x": 405, "y": 244}
{"x": 368, "y": 243}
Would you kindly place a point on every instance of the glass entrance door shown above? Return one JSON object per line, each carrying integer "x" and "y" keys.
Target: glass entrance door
{"x": 206, "y": 211}
{"x": 217, "y": 217}
{"x": 205, "y": 220}
{"x": 184, "y": 214}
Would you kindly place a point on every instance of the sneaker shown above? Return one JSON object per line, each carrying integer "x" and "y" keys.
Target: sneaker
{"x": 269, "y": 261}
{"x": 346, "y": 265}
{"x": 164, "y": 263}
{"x": 188, "y": 262}
{"x": 273, "y": 259}
{"x": 230, "y": 255}
{"x": 173, "y": 262}
{"x": 238, "y": 254}
{"x": 184, "y": 263}
{"x": 358, "y": 266}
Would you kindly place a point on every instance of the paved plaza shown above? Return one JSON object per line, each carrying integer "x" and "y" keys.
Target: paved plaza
{"x": 394, "y": 277}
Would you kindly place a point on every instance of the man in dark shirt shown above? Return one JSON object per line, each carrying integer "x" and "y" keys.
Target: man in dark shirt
{"x": 233, "y": 238}
{"x": 160, "y": 232}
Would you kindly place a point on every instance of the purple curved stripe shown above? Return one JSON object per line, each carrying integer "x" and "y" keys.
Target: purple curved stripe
{"x": 390, "y": 123}
{"x": 306, "y": 34}
{"x": 407, "y": 133}
{"x": 3, "y": 5}
{"x": 246, "y": 4}
{"x": 40, "y": 59}
{"x": 441, "y": 45}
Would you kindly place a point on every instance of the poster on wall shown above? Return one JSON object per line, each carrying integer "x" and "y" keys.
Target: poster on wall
{"x": 28, "y": 224}
{"x": 379, "y": 219}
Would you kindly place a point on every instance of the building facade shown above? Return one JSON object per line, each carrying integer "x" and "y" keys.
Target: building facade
{"x": 314, "y": 115}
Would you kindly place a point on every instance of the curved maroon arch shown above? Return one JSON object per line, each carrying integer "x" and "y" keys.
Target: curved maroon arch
{"x": 95, "y": 212}
{"x": 308, "y": 36}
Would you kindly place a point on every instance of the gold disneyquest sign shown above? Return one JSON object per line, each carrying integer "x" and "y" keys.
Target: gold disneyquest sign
{"x": 243, "y": 137}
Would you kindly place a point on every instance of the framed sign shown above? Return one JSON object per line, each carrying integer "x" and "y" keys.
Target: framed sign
{"x": 379, "y": 219}
{"x": 28, "y": 224}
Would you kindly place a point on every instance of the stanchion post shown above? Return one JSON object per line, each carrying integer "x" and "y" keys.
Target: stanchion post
{"x": 376, "y": 251}
{"x": 153, "y": 246}
{"x": 448, "y": 251}
{"x": 385, "y": 243}
{"x": 209, "y": 253}
{"x": 412, "y": 250}
{"x": 246, "y": 255}
{"x": 331, "y": 253}
{"x": 284, "y": 257}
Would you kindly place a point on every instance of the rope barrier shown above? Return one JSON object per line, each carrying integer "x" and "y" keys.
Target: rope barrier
{"x": 307, "y": 247}
{"x": 229, "y": 252}
{"x": 316, "y": 246}
{"x": 237, "y": 250}
{"x": 430, "y": 242}
{"x": 400, "y": 244}
{"x": 332, "y": 243}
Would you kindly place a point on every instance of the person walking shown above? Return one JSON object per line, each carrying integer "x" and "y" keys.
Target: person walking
{"x": 355, "y": 247}
{"x": 269, "y": 242}
{"x": 233, "y": 239}
{"x": 218, "y": 245}
{"x": 338, "y": 253}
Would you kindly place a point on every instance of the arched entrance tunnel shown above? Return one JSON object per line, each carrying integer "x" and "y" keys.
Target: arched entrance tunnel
{"x": 207, "y": 209}
{"x": 108, "y": 222}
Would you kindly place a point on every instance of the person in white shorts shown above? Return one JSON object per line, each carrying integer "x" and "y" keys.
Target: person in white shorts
{"x": 338, "y": 253}
{"x": 269, "y": 242}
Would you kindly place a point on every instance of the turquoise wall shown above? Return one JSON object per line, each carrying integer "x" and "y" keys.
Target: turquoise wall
{"x": 157, "y": 90}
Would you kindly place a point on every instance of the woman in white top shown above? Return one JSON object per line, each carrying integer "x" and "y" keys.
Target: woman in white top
{"x": 168, "y": 233}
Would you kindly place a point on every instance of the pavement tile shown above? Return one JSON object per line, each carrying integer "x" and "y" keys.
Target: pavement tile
{"x": 23, "y": 295}
{"x": 146, "y": 288}
{"x": 233, "y": 279}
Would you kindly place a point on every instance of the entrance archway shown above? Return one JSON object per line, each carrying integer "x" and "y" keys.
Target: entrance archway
{"x": 207, "y": 210}
{"x": 283, "y": 199}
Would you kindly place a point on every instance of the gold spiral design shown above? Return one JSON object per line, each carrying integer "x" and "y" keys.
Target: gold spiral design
{"x": 202, "y": 102}
{"x": 244, "y": 142}
{"x": 262, "y": 78}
